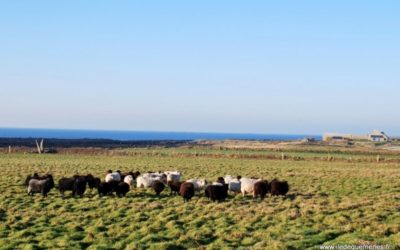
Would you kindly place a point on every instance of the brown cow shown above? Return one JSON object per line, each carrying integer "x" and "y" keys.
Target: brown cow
{"x": 186, "y": 191}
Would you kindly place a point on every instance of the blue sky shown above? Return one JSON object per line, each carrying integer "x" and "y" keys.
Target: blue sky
{"x": 215, "y": 66}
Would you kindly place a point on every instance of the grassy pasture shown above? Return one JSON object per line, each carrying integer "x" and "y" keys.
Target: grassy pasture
{"x": 329, "y": 203}
{"x": 299, "y": 153}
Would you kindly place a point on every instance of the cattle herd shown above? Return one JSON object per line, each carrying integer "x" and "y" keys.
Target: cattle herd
{"x": 120, "y": 184}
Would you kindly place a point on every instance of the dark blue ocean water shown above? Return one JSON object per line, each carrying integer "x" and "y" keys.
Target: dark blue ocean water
{"x": 139, "y": 135}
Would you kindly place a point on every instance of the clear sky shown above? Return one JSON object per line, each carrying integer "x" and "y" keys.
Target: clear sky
{"x": 207, "y": 66}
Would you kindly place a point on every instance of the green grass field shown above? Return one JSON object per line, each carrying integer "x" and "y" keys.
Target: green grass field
{"x": 328, "y": 203}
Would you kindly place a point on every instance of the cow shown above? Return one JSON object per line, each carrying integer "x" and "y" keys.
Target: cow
{"x": 147, "y": 180}
{"x": 105, "y": 188}
{"x": 120, "y": 188}
{"x": 35, "y": 176}
{"x": 158, "y": 187}
{"x": 93, "y": 182}
{"x": 114, "y": 176}
{"x": 173, "y": 176}
{"x": 198, "y": 184}
{"x": 260, "y": 189}
{"x": 186, "y": 191}
{"x": 174, "y": 186}
{"x": 79, "y": 186}
{"x": 217, "y": 192}
{"x": 247, "y": 185}
{"x": 42, "y": 186}
{"x": 277, "y": 187}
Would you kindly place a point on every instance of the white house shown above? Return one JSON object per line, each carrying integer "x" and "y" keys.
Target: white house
{"x": 378, "y": 136}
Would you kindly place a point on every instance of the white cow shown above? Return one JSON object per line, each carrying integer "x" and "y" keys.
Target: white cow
{"x": 115, "y": 176}
{"x": 247, "y": 185}
{"x": 146, "y": 180}
{"x": 173, "y": 175}
{"x": 198, "y": 184}
{"x": 234, "y": 184}
{"x": 129, "y": 180}
{"x": 159, "y": 176}
{"x": 228, "y": 178}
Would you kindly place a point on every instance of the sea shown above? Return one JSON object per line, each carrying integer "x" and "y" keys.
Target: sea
{"x": 142, "y": 135}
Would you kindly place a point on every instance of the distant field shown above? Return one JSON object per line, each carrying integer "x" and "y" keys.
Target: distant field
{"x": 290, "y": 154}
{"x": 330, "y": 203}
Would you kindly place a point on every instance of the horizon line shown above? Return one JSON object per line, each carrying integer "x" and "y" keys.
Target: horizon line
{"x": 163, "y": 131}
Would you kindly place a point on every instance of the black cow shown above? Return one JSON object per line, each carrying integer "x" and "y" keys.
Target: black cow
{"x": 92, "y": 181}
{"x": 66, "y": 184}
{"x": 278, "y": 187}
{"x": 105, "y": 188}
{"x": 158, "y": 187}
{"x": 79, "y": 186}
{"x": 221, "y": 180}
{"x": 120, "y": 188}
{"x": 260, "y": 189}
{"x": 217, "y": 192}
{"x": 76, "y": 184}
{"x": 186, "y": 191}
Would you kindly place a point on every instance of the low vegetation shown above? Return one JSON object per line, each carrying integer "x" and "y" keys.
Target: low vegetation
{"x": 329, "y": 202}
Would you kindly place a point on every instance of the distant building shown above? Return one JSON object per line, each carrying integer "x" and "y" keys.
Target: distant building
{"x": 378, "y": 136}
{"x": 396, "y": 138}
{"x": 308, "y": 139}
{"x": 375, "y": 136}
{"x": 336, "y": 137}
{"x": 343, "y": 137}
